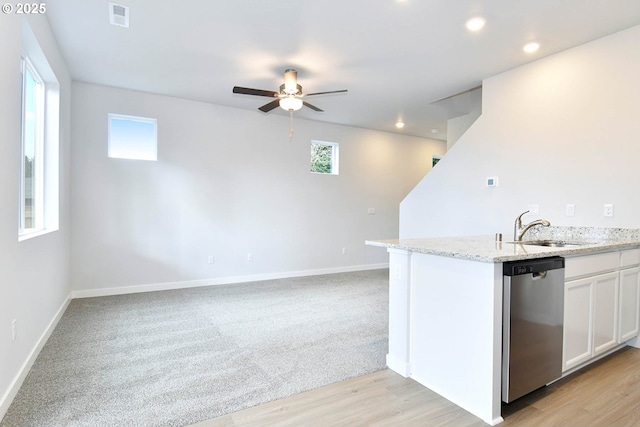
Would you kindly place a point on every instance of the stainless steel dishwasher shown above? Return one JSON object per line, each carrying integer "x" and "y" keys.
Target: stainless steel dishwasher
{"x": 533, "y": 310}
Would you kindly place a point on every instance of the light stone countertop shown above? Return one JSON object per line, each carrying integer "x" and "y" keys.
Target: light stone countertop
{"x": 486, "y": 249}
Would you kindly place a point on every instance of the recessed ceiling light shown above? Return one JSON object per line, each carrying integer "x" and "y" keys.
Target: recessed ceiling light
{"x": 435, "y": 130}
{"x": 531, "y": 47}
{"x": 399, "y": 124}
{"x": 475, "y": 24}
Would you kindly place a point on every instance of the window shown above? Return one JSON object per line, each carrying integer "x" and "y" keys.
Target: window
{"x": 39, "y": 141}
{"x": 324, "y": 157}
{"x": 132, "y": 137}
{"x": 31, "y": 186}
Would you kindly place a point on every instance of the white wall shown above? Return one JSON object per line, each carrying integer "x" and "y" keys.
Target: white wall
{"x": 564, "y": 129}
{"x": 34, "y": 272}
{"x": 458, "y": 126}
{"x": 227, "y": 182}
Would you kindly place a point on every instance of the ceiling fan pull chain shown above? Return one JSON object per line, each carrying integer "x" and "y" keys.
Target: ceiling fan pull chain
{"x": 291, "y": 125}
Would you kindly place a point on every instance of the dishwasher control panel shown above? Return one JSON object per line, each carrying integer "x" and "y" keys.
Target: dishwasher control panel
{"x": 528, "y": 266}
{"x": 522, "y": 269}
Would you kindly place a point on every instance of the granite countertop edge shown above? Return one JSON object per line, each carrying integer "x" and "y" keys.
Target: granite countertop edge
{"x": 487, "y": 249}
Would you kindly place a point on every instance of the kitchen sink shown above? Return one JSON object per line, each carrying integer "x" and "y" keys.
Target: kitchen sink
{"x": 552, "y": 243}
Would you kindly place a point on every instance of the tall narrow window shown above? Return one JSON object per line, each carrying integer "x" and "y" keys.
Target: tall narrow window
{"x": 39, "y": 193}
{"x": 324, "y": 157}
{"x": 32, "y": 176}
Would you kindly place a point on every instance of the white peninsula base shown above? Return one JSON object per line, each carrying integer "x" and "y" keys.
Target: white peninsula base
{"x": 445, "y": 307}
{"x": 445, "y": 328}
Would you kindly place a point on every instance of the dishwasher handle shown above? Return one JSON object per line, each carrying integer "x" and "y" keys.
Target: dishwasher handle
{"x": 539, "y": 275}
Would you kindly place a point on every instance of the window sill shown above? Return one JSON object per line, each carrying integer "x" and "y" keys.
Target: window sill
{"x": 32, "y": 234}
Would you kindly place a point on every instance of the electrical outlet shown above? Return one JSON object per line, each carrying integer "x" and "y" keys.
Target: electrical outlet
{"x": 344, "y": 251}
{"x": 608, "y": 210}
{"x": 371, "y": 211}
{"x": 249, "y": 256}
{"x": 210, "y": 259}
{"x": 14, "y": 330}
{"x": 571, "y": 210}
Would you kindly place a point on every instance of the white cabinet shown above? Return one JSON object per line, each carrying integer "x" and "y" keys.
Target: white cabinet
{"x": 601, "y": 304}
{"x": 590, "y": 318}
{"x": 629, "y": 303}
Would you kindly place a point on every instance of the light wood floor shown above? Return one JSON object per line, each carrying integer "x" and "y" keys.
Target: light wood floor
{"x": 605, "y": 394}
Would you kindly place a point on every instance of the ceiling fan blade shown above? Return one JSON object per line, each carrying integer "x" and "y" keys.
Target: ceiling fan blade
{"x": 313, "y": 107}
{"x": 270, "y": 106}
{"x": 257, "y": 92}
{"x": 326, "y": 93}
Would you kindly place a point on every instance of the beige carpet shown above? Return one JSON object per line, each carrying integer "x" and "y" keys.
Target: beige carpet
{"x": 173, "y": 358}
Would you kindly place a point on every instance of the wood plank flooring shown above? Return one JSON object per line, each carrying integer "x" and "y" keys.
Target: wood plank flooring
{"x": 605, "y": 394}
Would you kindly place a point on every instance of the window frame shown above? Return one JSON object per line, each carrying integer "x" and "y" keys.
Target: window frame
{"x": 335, "y": 157}
{"x": 112, "y": 151}
{"x": 38, "y": 165}
{"x": 49, "y": 128}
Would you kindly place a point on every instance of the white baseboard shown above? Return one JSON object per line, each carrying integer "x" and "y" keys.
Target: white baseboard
{"x": 122, "y": 290}
{"x": 10, "y": 394}
{"x": 399, "y": 366}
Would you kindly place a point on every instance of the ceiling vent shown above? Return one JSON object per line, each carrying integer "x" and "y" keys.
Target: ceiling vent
{"x": 119, "y": 15}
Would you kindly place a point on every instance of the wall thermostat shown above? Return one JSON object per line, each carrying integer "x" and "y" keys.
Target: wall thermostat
{"x": 492, "y": 181}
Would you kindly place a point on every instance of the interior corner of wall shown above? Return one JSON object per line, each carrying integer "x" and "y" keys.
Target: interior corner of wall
{"x": 457, "y": 127}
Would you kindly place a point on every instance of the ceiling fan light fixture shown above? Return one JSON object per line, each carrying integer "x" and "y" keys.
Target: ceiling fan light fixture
{"x": 288, "y": 97}
{"x": 291, "y": 81}
{"x": 290, "y": 103}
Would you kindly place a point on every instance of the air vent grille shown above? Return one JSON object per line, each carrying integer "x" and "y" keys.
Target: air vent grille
{"x": 119, "y": 15}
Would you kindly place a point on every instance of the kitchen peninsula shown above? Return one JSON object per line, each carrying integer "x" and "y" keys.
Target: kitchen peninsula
{"x": 445, "y": 313}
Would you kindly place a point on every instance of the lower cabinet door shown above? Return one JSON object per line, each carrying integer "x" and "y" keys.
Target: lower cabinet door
{"x": 578, "y": 326}
{"x": 629, "y": 303}
{"x": 605, "y": 315}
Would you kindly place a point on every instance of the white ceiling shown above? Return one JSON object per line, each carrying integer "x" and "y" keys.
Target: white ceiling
{"x": 395, "y": 57}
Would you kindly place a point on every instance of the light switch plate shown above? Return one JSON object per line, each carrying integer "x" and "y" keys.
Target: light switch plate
{"x": 571, "y": 209}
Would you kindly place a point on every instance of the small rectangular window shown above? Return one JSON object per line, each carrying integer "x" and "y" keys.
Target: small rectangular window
{"x": 132, "y": 137}
{"x": 324, "y": 157}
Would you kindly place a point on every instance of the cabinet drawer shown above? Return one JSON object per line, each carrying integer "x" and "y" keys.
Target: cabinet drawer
{"x": 629, "y": 257}
{"x": 591, "y": 264}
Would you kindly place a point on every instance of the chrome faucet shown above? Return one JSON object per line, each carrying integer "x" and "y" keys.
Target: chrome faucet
{"x": 519, "y": 229}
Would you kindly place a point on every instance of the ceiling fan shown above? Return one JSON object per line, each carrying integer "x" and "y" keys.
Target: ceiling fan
{"x": 289, "y": 97}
